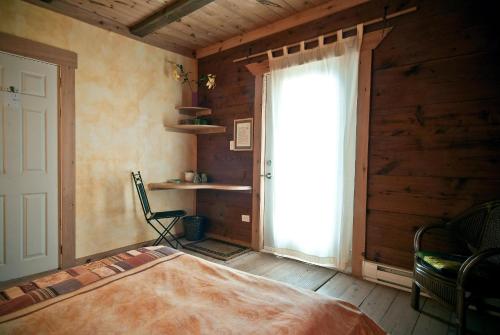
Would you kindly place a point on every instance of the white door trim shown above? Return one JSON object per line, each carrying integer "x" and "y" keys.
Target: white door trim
{"x": 67, "y": 63}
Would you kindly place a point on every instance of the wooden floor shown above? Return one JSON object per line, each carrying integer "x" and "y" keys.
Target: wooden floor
{"x": 389, "y": 307}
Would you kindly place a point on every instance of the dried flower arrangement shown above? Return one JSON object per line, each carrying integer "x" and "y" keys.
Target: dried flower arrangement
{"x": 180, "y": 74}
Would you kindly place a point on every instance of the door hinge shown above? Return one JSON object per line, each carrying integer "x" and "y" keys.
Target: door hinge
{"x": 60, "y": 249}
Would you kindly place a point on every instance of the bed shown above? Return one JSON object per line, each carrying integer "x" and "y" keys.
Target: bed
{"x": 159, "y": 290}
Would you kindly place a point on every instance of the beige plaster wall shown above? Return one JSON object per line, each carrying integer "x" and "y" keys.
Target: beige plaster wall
{"x": 124, "y": 94}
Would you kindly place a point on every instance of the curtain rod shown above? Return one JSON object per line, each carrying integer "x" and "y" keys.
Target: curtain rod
{"x": 367, "y": 23}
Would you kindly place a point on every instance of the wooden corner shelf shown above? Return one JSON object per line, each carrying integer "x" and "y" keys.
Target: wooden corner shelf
{"x": 194, "y": 111}
{"x": 196, "y": 129}
{"x": 201, "y": 186}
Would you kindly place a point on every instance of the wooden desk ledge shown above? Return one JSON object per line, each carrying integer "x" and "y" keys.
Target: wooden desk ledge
{"x": 201, "y": 186}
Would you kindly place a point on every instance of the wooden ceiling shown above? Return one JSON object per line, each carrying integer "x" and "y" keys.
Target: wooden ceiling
{"x": 209, "y": 23}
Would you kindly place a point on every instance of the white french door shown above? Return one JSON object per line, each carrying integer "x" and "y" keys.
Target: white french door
{"x": 310, "y": 143}
{"x": 301, "y": 194}
{"x": 28, "y": 167}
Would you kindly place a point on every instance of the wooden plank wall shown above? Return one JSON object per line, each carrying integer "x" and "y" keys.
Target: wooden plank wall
{"x": 434, "y": 128}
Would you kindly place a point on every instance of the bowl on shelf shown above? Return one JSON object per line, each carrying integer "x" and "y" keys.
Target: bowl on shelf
{"x": 200, "y": 121}
{"x": 195, "y": 121}
{"x": 186, "y": 121}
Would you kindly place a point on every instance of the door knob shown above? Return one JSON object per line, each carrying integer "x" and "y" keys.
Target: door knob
{"x": 267, "y": 175}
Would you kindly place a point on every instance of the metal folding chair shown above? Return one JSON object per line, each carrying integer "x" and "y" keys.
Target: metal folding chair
{"x": 156, "y": 216}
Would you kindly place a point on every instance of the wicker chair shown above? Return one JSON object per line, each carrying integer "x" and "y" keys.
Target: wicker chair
{"x": 459, "y": 281}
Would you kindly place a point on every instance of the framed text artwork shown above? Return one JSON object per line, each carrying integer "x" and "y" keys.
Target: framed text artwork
{"x": 243, "y": 134}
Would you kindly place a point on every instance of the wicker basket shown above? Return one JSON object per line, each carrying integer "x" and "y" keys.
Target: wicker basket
{"x": 194, "y": 227}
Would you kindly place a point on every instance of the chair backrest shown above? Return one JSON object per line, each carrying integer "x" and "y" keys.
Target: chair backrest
{"x": 491, "y": 233}
{"x": 479, "y": 227}
{"x": 141, "y": 191}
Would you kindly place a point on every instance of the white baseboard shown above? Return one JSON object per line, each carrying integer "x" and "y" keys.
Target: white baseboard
{"x": 387, "y": 275}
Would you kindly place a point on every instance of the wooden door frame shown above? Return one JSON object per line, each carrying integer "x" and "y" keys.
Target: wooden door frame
{"x": 370, "y": 41}
{"x": 66, "y": 62}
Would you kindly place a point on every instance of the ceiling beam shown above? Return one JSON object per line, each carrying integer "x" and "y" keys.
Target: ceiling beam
{"x": 62, "y": 7}
{"x": 167, "y": 15}
{"x": 318, "y": 12}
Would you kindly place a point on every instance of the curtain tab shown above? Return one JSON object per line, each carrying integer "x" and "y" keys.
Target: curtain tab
{"x": 339, "y": 35}
{"x": 321, "y": 41}
{"x": 285, "y": 51}
{"x": 359, "y": 29}
{"x": 270, "y": 54}
{"x": 302, "y": 46}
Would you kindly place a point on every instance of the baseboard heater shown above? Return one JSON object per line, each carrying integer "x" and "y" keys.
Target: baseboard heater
{"x": 387, "y": 275}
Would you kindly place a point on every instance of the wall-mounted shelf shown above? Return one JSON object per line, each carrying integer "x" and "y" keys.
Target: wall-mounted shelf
{"x": 201, "y": 186}
{"x": 196, "y": 128}
{"x": 194, "y": 111}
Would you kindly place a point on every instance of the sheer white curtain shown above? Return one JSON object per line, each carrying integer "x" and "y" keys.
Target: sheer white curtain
{"x": 310, "y": 151}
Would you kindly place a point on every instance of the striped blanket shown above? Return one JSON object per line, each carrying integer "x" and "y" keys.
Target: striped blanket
{"x": 51, "y": 286}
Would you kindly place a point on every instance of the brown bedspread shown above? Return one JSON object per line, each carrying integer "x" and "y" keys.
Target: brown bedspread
{"x": 181, "y": 294}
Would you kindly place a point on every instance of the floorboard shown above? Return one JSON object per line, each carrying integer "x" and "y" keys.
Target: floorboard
{"x": 400, "y": 318}
{"x": 347, "y": 288}
{"x": 304, "y": 275}
{"x": 256, "y": 263}
{"x": 429, "y": 321}
{"x": 378, "y": 302}
{"x": 336, "y": 286}
{"x": 289, "y": 271}
{"x": 357, "y": 291}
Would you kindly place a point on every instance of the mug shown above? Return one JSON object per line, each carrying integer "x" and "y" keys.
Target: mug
{"x": 188, "y": 176}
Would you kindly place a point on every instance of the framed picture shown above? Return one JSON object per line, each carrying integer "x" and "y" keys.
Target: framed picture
{"x": 243, "y": 134}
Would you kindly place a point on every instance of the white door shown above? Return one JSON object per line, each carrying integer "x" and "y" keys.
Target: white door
{"x": 310, "y": 149}
{"x": 28, "y": 167}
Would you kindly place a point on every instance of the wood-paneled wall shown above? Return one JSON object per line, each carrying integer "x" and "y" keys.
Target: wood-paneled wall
{"x": 232, "y": 99}
{"x": 434, "y": 128}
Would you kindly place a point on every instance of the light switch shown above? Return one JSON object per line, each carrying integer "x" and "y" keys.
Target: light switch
{"x": 245, "y": 218}
{"x": 231, "y": 145}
